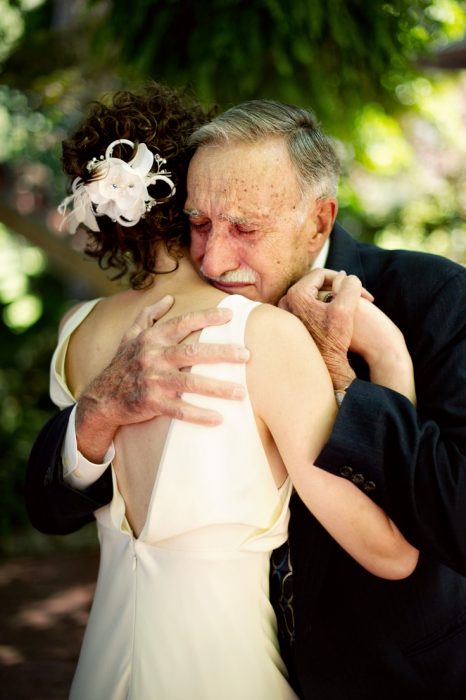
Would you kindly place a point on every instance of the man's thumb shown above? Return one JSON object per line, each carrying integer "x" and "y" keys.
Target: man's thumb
{"x": 148, "y": 316}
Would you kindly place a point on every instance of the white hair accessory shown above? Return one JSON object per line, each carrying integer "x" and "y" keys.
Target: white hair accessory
{"x": 118, "y": 190}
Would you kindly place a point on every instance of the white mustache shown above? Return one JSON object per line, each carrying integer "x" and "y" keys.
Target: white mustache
{"x": 243, "y": 275}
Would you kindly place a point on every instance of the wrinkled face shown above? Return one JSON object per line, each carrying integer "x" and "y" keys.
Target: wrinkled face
{"x": 252, "y": 231}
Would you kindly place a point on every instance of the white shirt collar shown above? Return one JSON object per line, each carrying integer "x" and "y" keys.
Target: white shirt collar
{"x": 321, "y": 258}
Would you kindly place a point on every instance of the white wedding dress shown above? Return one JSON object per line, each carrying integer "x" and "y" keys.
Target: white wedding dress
{"x": 182, "y": 612}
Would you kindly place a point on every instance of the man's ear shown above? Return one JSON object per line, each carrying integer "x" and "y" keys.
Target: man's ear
{"x": 325, "y": 213}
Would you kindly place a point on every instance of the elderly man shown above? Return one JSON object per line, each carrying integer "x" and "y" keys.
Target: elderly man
{"x": 262, "y": 207}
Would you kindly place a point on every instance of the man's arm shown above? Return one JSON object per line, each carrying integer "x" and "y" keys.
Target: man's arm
{"x": 53, "y": 506}
{"x": 411, "y": 458}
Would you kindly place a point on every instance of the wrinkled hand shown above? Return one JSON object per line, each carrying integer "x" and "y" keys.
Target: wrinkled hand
{"x": 145, "y": 378}
{"x": 330, "y": 323}
{"x": 349, "y": 321}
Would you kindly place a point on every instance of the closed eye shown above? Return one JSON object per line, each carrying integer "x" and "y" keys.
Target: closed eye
{"x": 199, "y": 225}
{"x": 245, "y": 231}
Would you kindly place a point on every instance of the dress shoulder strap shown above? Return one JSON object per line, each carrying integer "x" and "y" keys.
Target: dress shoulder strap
{"x": 59, "y": 391}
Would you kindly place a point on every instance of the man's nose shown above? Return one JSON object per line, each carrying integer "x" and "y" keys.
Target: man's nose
{"x": 220, "y": 254}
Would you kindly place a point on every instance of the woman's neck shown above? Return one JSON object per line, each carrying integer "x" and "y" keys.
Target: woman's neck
{"x": 181, "y": 280}
{"x": 176, "y": 275}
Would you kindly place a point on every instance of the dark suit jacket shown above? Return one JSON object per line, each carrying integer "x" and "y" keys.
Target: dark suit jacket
{"x": 53, "y": 506}
{"x": 358, "y": 636}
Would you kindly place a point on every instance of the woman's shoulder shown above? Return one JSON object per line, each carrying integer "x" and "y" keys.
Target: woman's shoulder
{"x": 99, "y": 323}
{"x": 75, "y": 315}
{"x": 94, "y": 311}
{"x": 95, "y": 330}
{"x": 268, "y": 321}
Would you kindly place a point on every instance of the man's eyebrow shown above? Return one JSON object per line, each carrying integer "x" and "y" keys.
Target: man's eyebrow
{"x": 192, "y": 212}
{"x": 232, "y": 219}
{"x": 237, "y": 220}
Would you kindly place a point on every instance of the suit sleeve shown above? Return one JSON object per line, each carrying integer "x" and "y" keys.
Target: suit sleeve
{"x": 412, "y": 461}
{"x": 54, "y": 507}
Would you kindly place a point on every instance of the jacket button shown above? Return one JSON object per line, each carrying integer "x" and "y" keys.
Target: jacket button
{"x": 369, "y": 486}
{"x": 358, "y": 479}
{"x": 346, "y": 471}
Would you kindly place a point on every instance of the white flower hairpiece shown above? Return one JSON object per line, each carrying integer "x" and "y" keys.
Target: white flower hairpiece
{"x": 118, "y": 190}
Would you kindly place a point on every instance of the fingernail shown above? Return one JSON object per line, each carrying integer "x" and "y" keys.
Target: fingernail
{"x": 243, "y": 354}
{"x": 238, "y": 392}
{"x": 214, "y": 419}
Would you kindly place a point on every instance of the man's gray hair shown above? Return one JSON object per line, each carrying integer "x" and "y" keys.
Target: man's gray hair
{"x": 311, "y": 151}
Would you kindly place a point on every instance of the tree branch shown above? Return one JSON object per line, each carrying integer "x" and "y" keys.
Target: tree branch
{"x": 66, "y": 262}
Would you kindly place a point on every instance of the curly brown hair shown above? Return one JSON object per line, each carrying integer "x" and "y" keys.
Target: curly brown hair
{"x": 163, "y": 118}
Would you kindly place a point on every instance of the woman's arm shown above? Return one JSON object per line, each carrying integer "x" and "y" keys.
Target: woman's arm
{"x": 293, "y": 395}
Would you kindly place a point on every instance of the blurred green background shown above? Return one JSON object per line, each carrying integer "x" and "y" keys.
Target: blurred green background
{"x": 385, "y": 78}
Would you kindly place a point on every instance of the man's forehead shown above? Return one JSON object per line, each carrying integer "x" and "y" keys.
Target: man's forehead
{"x": 240, "y": 158}
{"x": 244, "y": 183}
{"x": 237, "y": 199}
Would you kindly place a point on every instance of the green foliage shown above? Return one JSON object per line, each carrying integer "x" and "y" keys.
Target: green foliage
{"x": 433, "y": 223}
{"x": 405, "y": 177}
{"x": 327, "y": 54}
{"x": 25, "y": 353}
